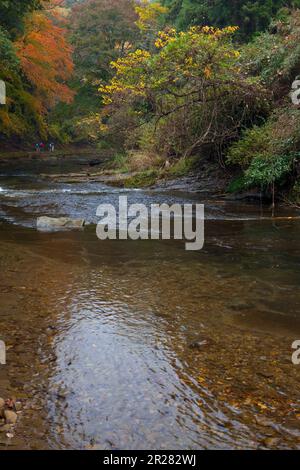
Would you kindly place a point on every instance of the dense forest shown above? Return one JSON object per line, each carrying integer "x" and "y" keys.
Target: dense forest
{"x": 179, "y": 81}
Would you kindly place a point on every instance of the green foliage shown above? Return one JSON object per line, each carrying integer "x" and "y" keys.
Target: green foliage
{"x": 143, "y": 179}
{"x": 255, "y": 141}
{"x": 101, "y": 31}
{"x": 267, "y": 153}
{"x": 250, "y": 16}
{"x": 237, "y": 184}
{"x": 186, "y": 13}
{"x": 12, "y": 13}
{"x": 8, "y": 57}
{"x": 120, "y": 163}
{"x": 183, "y": 166}
{"x": 294, "y": 195}
{"x": 275, "y": 58}
{"x": 264, "y": 171}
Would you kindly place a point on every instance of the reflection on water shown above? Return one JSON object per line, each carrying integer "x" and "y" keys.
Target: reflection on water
{"x": 145, "y": 345}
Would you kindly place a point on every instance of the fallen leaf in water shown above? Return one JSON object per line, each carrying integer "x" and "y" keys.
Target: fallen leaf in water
{"x": 201, "y": 380}
{"x": 262, "y": 406}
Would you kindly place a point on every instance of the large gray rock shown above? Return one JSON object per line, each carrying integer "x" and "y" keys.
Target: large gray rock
{"x": 50, "y": 223}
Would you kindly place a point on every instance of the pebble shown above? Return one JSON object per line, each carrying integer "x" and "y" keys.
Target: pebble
{"x": 262, "y": 421}
{"x": 18, "y": 406}
{"x": 10, "y": 417}
{"x": 5, "y": 428}
{"x": 198, "y": 344}
{"x": 271, "y": 441}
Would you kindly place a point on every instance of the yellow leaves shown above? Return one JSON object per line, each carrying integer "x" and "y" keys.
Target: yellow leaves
{"x": 133, "y": 59}
{"x": 201, "y": 380}
{"x": 231, "y": 29}
{"x": 262, "y": 406}
{"x": 159, "y": 43}
{"x": 148, "y": 14}
{"x": 205, "y": 29}
{"x": 183, "y": 57}
{"x": 189, "y": 61}
{"x": 103, "y": 127}
{"x": 211, "y": 30}
{"x": 165, "y": 37}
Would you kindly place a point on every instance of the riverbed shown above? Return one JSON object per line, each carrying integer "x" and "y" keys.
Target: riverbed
{"x": 142, "y": 344}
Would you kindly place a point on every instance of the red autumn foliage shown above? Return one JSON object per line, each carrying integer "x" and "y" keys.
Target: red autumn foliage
{"x": 46, "y": 58}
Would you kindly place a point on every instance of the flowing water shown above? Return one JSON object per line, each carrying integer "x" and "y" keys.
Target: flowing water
{"x": 141, "y": 344}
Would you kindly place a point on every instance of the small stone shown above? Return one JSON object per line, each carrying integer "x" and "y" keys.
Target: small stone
{"x": 18, "y": 406}
{"x": 271, "y": 441}
{"x": 198, "y": 344}
{"x": 265, "y": 374}
{"x": 262, "y": 421}
{"x": 10, "y": 417}
{"x": 5, "y": 428}
{"x": 50, "y": 223}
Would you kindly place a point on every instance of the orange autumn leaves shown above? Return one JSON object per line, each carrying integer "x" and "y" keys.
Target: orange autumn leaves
{"x": 46, "y": 58}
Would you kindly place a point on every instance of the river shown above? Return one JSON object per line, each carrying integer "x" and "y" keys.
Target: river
{"x": 142, "y": 344}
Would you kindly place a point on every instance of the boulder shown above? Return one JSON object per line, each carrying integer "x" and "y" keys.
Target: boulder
{"x": 50, "y": 223}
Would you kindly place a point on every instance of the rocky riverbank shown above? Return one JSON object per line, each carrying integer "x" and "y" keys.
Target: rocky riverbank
{"x": 92, "y": 166}
{"x": 206, "y": 182}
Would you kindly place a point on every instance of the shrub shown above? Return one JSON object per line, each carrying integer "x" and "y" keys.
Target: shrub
{"x": 183, "y": 166}
{"x": 264, "y": 172}
{"x": 255, "y": 141}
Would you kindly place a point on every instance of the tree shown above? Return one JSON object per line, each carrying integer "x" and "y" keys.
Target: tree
{"x": 192, "y": 90}
{"x": 102, "y": 31}
{"x": 12, "y": 13}
{"x": 248, "y": 15}
{"x": 35, "y": 67}
{"x": 150, "y": 20}
{"x": 46, "y": 59}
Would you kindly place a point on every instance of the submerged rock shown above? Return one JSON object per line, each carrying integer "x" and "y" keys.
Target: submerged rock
{"x": 50, "y": 223}
{"x": 199, "y": 344}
